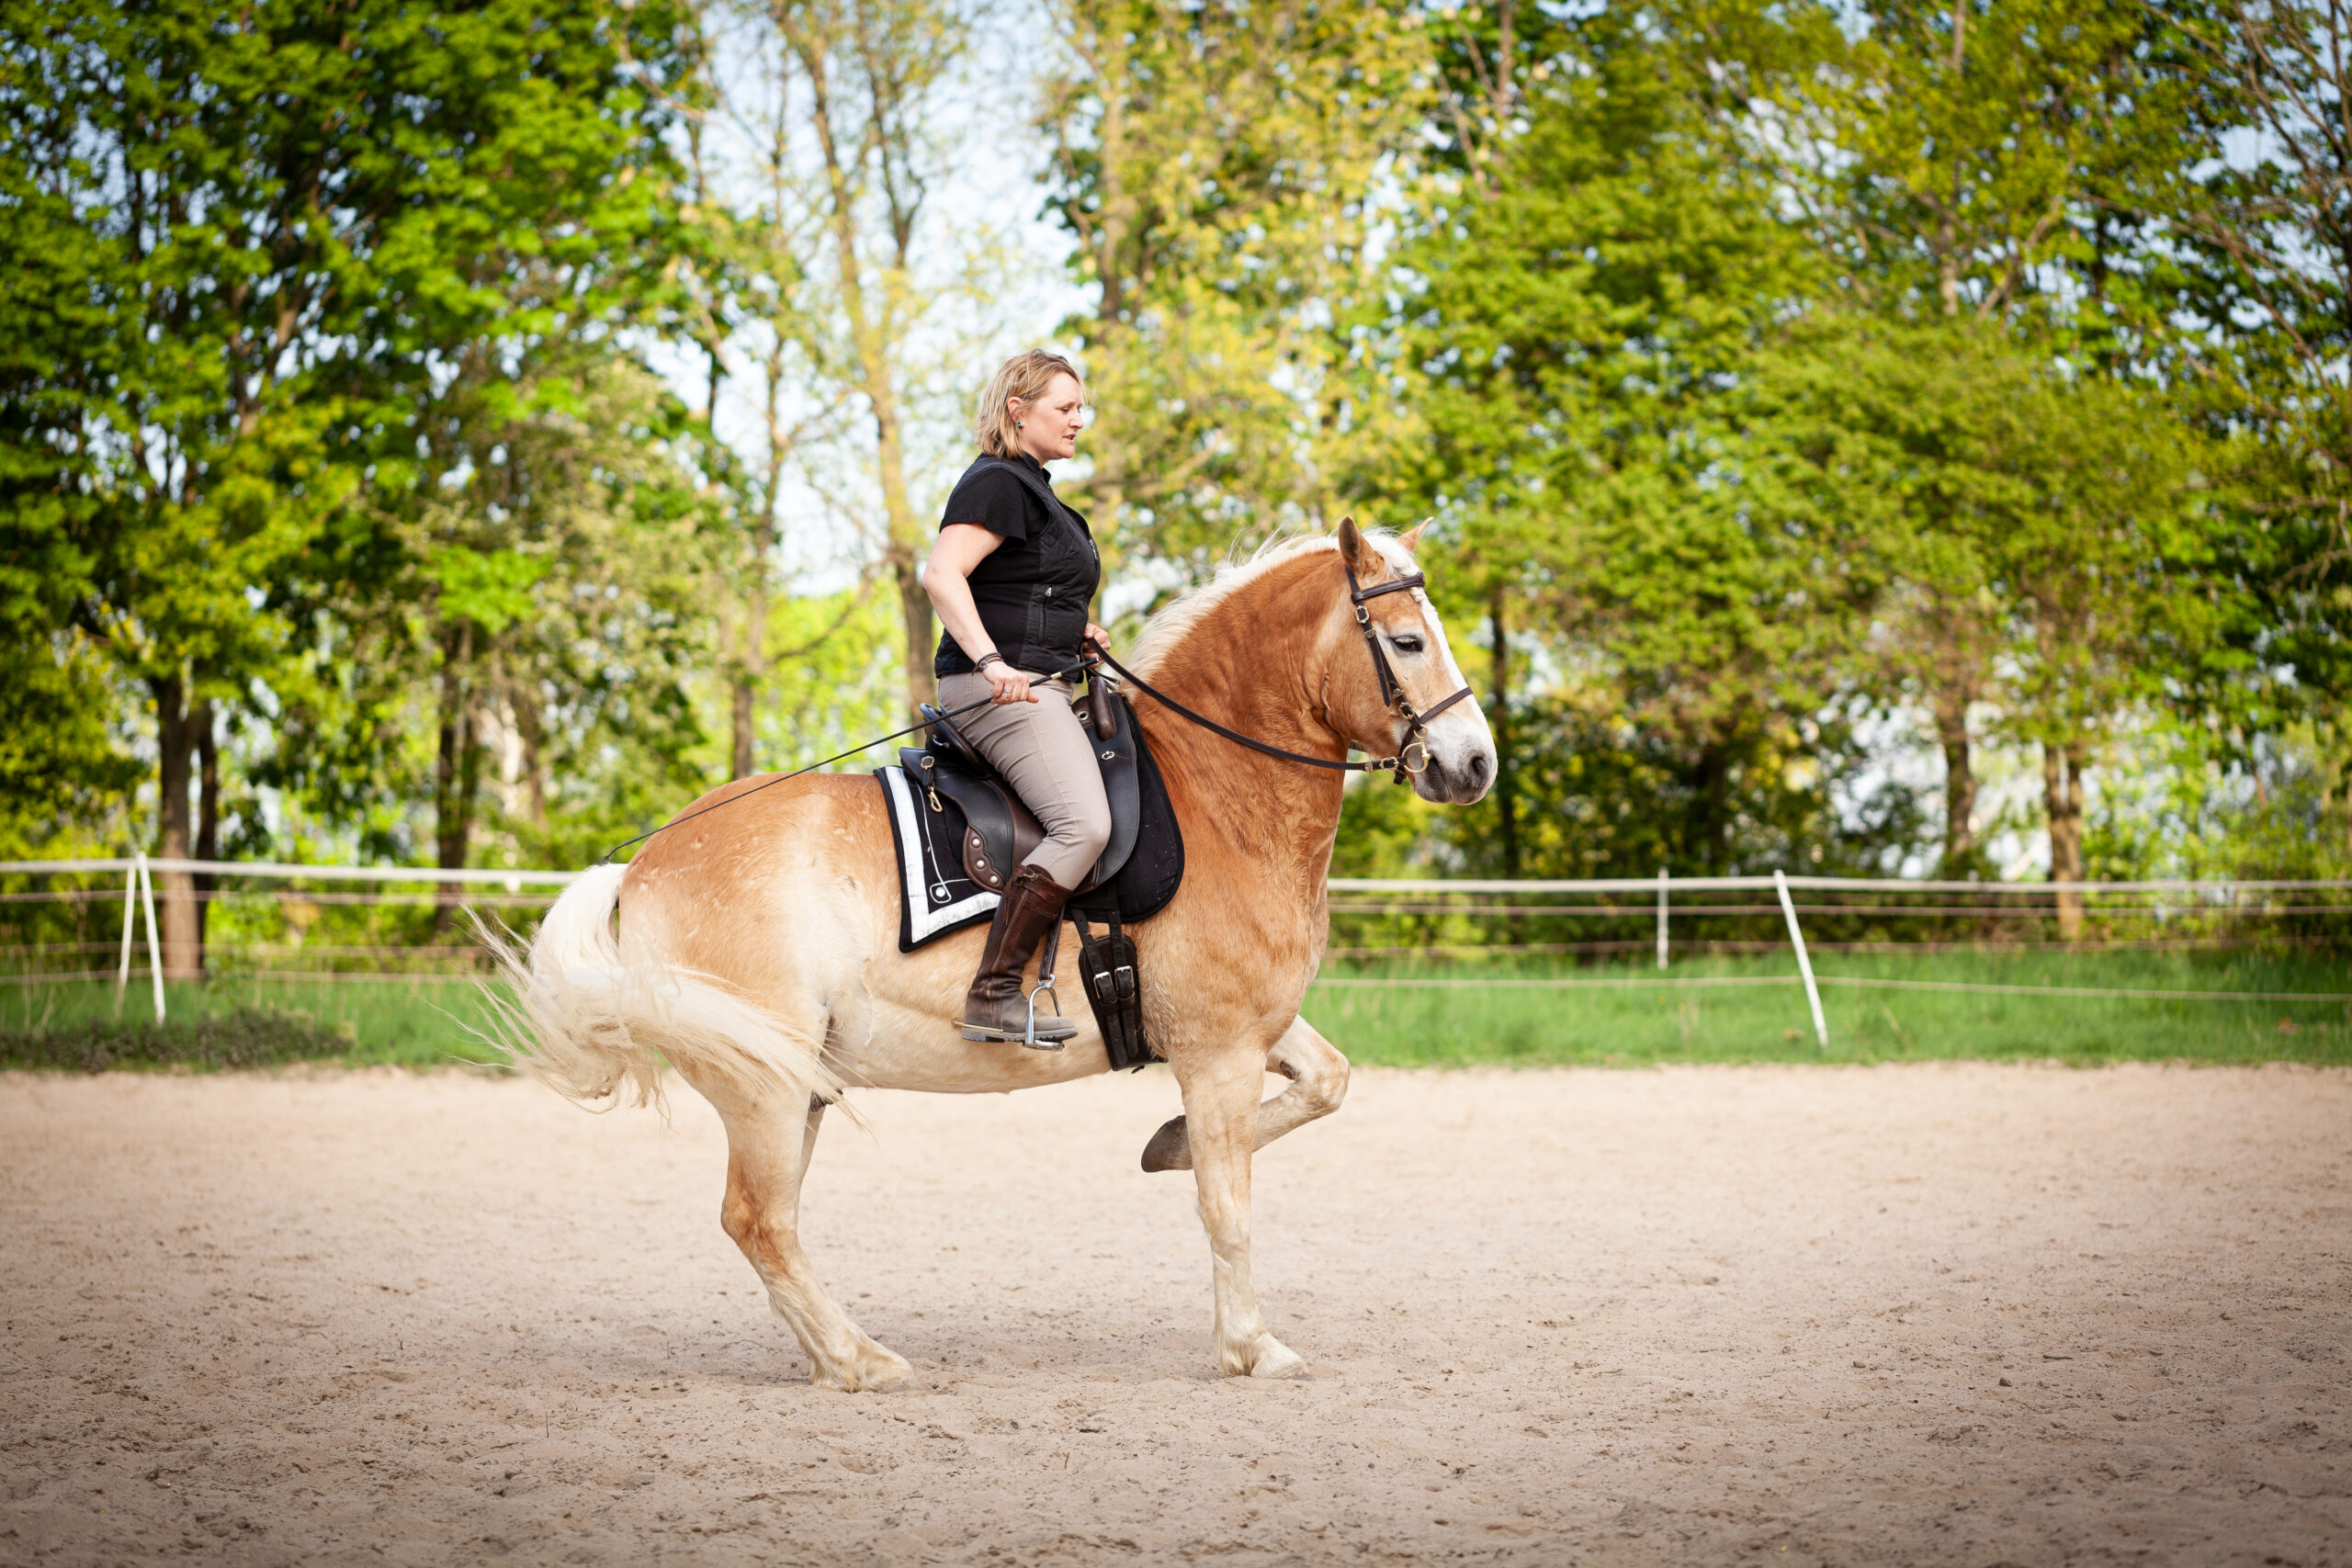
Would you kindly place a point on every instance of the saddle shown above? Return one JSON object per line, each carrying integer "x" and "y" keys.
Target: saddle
{"x": 961, "y": 831}
{"x": 999, "y": 831}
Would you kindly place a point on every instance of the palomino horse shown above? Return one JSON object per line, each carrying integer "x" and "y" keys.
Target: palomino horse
{"x": 755, "y": 948}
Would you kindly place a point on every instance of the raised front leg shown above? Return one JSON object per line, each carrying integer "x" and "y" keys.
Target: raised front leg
{"x": 1319, "y": 1081}
{"x": 1221, "y": 1103}
{"x": 768, "y": 1148}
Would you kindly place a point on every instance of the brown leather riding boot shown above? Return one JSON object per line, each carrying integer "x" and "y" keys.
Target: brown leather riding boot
{"x": 996, "y": 1009}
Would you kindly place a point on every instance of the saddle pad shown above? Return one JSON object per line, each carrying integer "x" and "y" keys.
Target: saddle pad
{"x": 1154, "y": 867}
{"x": 936, "y": 896}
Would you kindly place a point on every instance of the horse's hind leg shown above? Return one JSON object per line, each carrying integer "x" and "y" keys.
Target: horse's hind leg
{"x": 768, "y": 1148}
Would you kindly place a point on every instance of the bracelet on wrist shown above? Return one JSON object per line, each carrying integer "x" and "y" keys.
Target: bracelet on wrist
{"x": 985, "y": 660}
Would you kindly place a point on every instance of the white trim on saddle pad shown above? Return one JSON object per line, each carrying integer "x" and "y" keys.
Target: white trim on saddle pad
{"x": 928, "y": 904}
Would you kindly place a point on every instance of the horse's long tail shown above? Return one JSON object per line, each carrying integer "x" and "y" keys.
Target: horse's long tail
{"x": 598, "y": 1030}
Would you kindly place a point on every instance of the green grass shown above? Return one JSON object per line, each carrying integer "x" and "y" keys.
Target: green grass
{"x": 1642, "y": 1023}
{"x": 424, "y": 1022}
{"x": 416, "y": 1023}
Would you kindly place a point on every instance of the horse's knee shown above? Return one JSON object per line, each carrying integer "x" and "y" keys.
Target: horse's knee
{"x": 1325, "y": 1085}
{"x": 1319, "y": 1073}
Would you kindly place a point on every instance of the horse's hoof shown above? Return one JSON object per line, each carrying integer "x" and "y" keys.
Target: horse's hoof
{"x": 1270, "y": 1358}
{"x": 1278, "y": 1360}
{"x": 872, "y": 1369}
{"x": 1169, "y": 1149}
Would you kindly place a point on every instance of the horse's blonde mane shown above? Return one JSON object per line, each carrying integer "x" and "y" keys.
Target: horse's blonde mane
{"x": 1176, "y": 620}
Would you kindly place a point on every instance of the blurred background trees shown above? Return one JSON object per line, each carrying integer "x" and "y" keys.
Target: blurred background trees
{"x": 1885, "y": 438}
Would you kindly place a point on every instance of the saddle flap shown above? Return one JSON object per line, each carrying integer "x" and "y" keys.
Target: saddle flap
{"x": 1110, "y": 725}
{"x": 999, "y": 831}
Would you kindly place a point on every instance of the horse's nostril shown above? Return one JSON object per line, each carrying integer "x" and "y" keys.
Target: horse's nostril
{"x": 1478, "y": 769}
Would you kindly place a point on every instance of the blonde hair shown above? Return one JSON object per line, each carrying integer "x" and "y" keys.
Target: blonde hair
{"x": 1026, "y": 376}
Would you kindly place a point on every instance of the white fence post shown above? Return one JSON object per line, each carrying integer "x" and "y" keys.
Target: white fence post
{"x": 1805, "y": 965}
{"x": 130, "y": 920}
{"x": 1661, "y": 917}
{"x": 154, "y": 943}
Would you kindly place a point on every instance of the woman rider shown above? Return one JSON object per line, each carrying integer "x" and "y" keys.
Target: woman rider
{"x": 1012, "y": 576}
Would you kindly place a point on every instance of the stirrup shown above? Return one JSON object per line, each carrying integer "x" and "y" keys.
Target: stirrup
{"x": 1029, "y": 1033}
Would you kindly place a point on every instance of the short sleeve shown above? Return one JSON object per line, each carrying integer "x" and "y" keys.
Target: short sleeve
{"x": 991, "y": 499}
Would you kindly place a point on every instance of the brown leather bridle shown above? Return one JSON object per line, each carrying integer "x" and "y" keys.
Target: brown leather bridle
{"x": 1392, "y": 695}
{"x": 1392, "y": 691}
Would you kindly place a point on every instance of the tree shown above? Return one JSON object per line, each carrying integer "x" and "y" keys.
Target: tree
{"x": 1987, "y": 167}
{"x": 1219, "y": 168}
{"x": 2041, "y": 540}
{"x": 834, "y": 117}
{"x": 2265, "y": 272}
{"x": 1590, "y": 296}
{"x": 760, "y": 323}
{"x": 249, "y": 238}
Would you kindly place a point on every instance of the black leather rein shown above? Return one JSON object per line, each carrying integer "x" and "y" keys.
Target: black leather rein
{"x": 1416, "y": 739}
{"x": 1392, "y": 693}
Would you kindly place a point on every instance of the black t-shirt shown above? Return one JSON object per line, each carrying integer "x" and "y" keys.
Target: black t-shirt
{"x": 1032, "y": 590}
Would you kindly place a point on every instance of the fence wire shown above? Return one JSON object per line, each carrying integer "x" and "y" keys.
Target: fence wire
{"x": 273, "y": 922}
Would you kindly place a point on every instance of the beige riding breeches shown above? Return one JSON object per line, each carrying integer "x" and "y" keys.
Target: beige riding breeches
{"x": 1044, "y": 751}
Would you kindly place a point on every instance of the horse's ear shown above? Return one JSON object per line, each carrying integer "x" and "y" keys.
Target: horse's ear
{"x": 1356, "y": 550}
{"x": 1411, "y": 537}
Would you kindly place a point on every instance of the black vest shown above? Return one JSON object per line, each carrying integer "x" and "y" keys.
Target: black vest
{"x": 1032, "y": 593}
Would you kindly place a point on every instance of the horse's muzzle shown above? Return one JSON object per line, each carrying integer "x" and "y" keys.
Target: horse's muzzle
{"x": 1458, "y": 780}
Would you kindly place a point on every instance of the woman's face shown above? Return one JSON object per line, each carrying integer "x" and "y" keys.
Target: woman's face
{"x": 1050, "y": 422}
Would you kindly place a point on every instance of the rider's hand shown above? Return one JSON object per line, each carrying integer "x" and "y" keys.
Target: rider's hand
{"x": 1100, "y": 638}
{"x": 1010, "y": 685}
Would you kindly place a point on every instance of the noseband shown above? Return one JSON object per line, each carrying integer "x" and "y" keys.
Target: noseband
{"x": 1392, "y": 696}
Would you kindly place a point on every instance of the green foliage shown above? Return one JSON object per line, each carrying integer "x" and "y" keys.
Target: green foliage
{"x": 1217, "y": 166}
{"x": 836, "y": 679}
{"x": 248, "y": 1037}
{"x": 1383, "y": 829}
{"x": 63, "y": 783}
{"x": 302, "y": 295}
{"x": 1796, "y": 388}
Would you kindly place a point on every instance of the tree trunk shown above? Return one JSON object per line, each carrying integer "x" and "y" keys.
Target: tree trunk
{"x": 914, "y": 610}
{"x": 1960, "y": 782}
{"x": 1505, "y": 807}
{"x": 871, "y": 329}
{"x": 526, "y": 724}
{"x": 1711, "y": 808}
{"x": 751, "y": 659}
{"x": 456, "y": 771}
{"x": 739, "y": 758}
{"x": 207, "y": 815}
{"x": 174, "y": 890}
{"x": 2061, "y": 793}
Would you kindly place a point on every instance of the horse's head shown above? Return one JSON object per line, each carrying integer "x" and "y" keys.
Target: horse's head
{"x": 1461, "y": 747}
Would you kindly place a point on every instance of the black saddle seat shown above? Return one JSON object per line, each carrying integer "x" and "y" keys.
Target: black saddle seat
{"x": 999, "y": 831}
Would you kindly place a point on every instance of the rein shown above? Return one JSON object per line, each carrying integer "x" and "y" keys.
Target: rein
{"x": 604, "y": 859}
{"x": 1392, "y": 693}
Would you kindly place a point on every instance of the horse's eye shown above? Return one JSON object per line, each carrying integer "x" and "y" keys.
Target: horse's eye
{"x": 1409, "y": 644}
